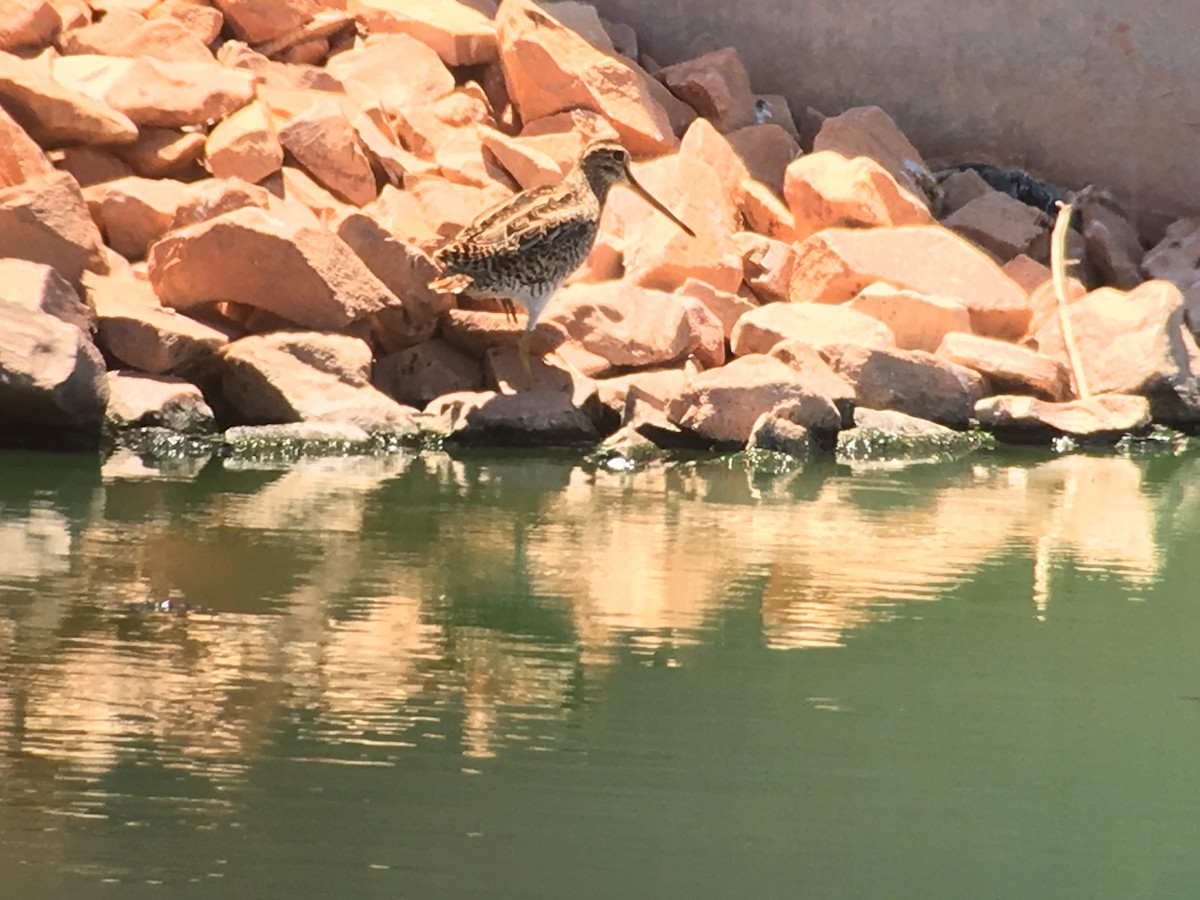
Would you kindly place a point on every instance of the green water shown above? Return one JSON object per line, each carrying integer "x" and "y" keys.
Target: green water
{"x": 501, "y": 677}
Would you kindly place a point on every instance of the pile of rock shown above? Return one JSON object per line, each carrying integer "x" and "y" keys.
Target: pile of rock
{"x": 221, "y": 213}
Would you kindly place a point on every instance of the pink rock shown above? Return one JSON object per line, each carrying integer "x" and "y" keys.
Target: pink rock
{"x": 173, "y": 94}
{"x": 960, "y": 188}
{"x": 134, "y": 212}
{"x": 255, "y": 21}
{"x": 122, "y": 32}
{"x": 304, "y": 274}
{"x": 418, "y": 374}
{"x": 373, "y": 67}
{"x": 537, "y": 418}
{"x": 92, "y": 165}
{"x": 26, "y": 24}
{"x": 767, "y": 151}
{"x": 135, "y": 329}
{"x": 835, "y": 264}
{"x": 475, "y": 332}
{"x": 908, "y": 381}
{"x": 136, "y": 400}
{"x": 716, "y": 86}
{"x": 1001, "y": 225}
{"x": 919, "y": 321}
{"x": 527, "y": 165}
{"x": 37, "y": 286}
{"x": 826, "y": 189}
{"x": 804, "y": 358}
{"x": 425, "y": 127}
{"x": 1106, "y": 416}
{"x": 1112, "y": 243}
{"x": 325, "y": 144}
{"x": 766, "y": 265}
{"x": 207, "y": 199}
{"x": 766, "y": 213}
{"x": 201, "y": 20}
{"x": 244, "y": 145}
{"x": 869, "y": 131}
{"x": 657, "y": 387}
{"x": 307, "y": 377}
{"x": 46, "y": 220}
{"x": 162, "y": 152}
{"x": 727, "y": 307}
{"x": 462, "y": 36}
{"x": 1027, "y": 272}
{"x": 550, "y": 69}
{"x": 1009, "y": 368}
{"x": 21, "y": 159}
{"x": 724, "y": 404}
{"x": 759, "y": 330}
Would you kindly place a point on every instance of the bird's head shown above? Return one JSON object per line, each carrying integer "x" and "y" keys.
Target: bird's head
{"x": 606, "y": 163}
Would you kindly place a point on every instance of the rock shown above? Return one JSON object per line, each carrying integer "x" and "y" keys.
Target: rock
{"x": 723, "y": 405}
{"x": 462, "y": 36}
{"x": 92, "y": 165}
{"x": 406, "y": 271}
{"x": 1000, "y": 224}
{"x": 759, "y": 330}
{"x": 704, "y": 143}
{"x": 157, "y": 401}
{"x": 244, "y": 145}
{"x": 909, "y": 381}
{"x": 256, "y": 21}
{"x": 550, "y": 69}
{"x": 1027, "y": 272}
{"x": 1009, "y": 368}
{"x": 310, "y": 377}
{"x": 504, "y": 372}
{"x": 716, "y": 86}
{"x": 1176, "y": 258}
{"x": 766, "y": 265}
{"x": 137, "y": 331}
{"x": 528, "y": 166}
{"x": 804, "y": 359}
{"x": 326, "y": 145}
{"x": 37, "y": 286}
{"x": 51, "y": 379}
{"x": 122, "y": 32}
{"x": 373, "y": 67}
{"x": 656, "y": 387}
{"x": 884, "y": 435}
{"x": 766, "y": 213}
{"x": 475, "y": 332}
{"x": 462, "y": 159}
{"x": 960, "y": 188}
{"x": 303, "y": 197}
{"x": 21, "y": 159}
{"x": 55, "y": 115}
{"x": 767, "y": 151}
{"x": 1105, "y": 417}
{"x": 869, "y": 131}
{"x": 562, "y": 136}
{"x": 26, "y": 24}
{"x": 134, "y": 212}
{"x": 304, "y": 274}
{"x": 162, "y": 152}
{"x": 173, "y": 94}
{"x": 773, "y": 109}
{"x": 46, "y": 220}
{"x": 425, "y": 127}
{"x": 835, "y": 264}
{"x": 1132, "y": 342}
{"x": 448, "y": 207}
{"x": 201, "y": 20}
{"x": 727, "y": 307}
{"x": 918, "y": 321}
{"x": 531, "y": 418}
{"x": 207, "y": 199}
{"x": 254, "y": 444}
{"x": 627, "y": 326}
{"x": 418, "y": 374}
{"x": 1111, "y": 243}
{"x": 827, "y": 189}
{"x": 774, "y": 431}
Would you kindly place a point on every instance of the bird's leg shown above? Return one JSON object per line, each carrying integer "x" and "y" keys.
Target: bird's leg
{"x": 523, "y": 353}
{"x": 510, "y": 309}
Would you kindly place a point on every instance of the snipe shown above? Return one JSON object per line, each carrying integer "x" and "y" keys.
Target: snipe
{"x": 524, "y": 249}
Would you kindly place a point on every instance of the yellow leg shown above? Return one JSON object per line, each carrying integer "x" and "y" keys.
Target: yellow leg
{"x": 523, "y": 352}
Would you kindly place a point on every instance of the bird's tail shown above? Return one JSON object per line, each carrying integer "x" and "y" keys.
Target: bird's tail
{"x": 451, "y": 284}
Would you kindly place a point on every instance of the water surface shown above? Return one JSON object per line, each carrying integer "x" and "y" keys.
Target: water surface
{"x": 502, "y": 676}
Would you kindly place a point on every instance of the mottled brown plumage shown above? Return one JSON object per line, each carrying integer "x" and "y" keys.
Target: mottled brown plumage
{"x": 522, "y": 250}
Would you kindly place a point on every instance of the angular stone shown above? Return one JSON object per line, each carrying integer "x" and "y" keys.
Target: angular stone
{"x": 122, "y": 32}
{"x": 1112, "y": 243}
{"x": 531, "y": 418}
{"x": 134, "y": 212}
{"x": 307, "y": 377}
{"x": 207, "y": 199}
{"x": 835, "y": 264}
{"x": 136, "y": 400}
{"x": 200, "y": 19}
{"x": 1000, "y": 224}
{"x": 562, "y": 136}
{"x": 425, "y": 127}
{"x": 256, "y": 21}
{"x": 826, "y": 189}
{"x": 162, "y": 152}
{"x": 869, "y": 131}
{"x": 716, "y": 86}
{"x": 909, "y": 381}
{"x": 767, "y": 151}
{"x": 304, "y": 274}
{"x": 47, "y": 221}
{"x": 373, "y": 67}
{"x": 475, "y": 332}
{"x": 503, "y": 371}
{"x": 326, "y": 145}
{"x": 884, "y": 435}
{"x": 92, "y": 165}
{"x": 406, "y": 271}
{"x": 1176, "y": 258}
{"x": 766, "y": 265}
{"x": 51, "y": 375}
{"x": 462, "y": 36}
{"x": 447, "y": 207}
{"x": 627, "y": 326}
{"x": 724, "y": 404}
{"x": 759, "y": 330}
{"x": 1009, "y": 368}
{"x": 773, "y": 109}
{"x": 775, "y": 432}
{"x": 656, "y": 387}
{"x": 244, "y": 145}
{"x": 173, "y": 94}
{"x": 765, "y": 213}
{"x": 1129, "y": 342}
{"x": 1027, "y": 272}
{"x": 527, "y": 165}
{"x": 26, "y": 24}
{"x": 550, "y": 69}
{"x": 919, "y": 321}
{"x": 805, "y": 359}
{"x": 21, "y": 159}
{"x": 418, "y": 374}
{"x": 55, "y": 115}
{"x": 462, "y": 159}
{"x": 38, "y": 286}
{"x": 138, "y": 331}
{"x": 1104, "y": 417}
{"x": 960, "y": 188}
{"x": 727, "y": 307}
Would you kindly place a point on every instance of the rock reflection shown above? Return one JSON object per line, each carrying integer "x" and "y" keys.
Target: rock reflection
{"x": 368, "y": 604}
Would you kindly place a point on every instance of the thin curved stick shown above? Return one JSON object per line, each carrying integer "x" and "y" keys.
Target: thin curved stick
{"x": 1058, "y": 271}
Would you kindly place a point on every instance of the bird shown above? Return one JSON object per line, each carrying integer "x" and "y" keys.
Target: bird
{"x": 523, "y": 249}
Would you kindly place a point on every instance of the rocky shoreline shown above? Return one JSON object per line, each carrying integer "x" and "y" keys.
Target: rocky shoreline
{"x": 218, "y": 222}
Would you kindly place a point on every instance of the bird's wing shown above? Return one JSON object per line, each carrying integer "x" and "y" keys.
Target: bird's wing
{"x": 536, "y": 210}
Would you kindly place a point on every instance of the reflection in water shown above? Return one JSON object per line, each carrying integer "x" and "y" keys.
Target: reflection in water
{"x": 372, "y": 605}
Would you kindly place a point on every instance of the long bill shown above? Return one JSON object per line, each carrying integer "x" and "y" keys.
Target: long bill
{"x": 649, "y": 198}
